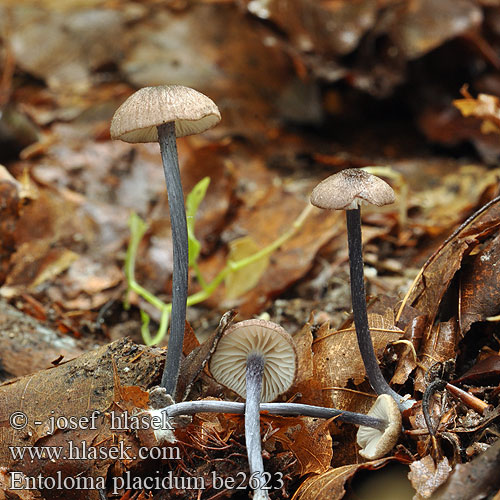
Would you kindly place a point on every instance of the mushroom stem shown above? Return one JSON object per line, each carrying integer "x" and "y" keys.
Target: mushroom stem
{"x": 168, "y": 147}
{"x": 255, "y": 369}
{"x": 286, "y": 409}
{"x": 358, "y": 294}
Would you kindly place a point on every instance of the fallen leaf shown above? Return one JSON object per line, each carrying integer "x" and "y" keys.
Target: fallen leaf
{"x": 440, "y": 344}
{"x": 306, "y": 384}
{"x": 307, "y": 438}
{"x": 423, "y": 25}
{"x": 331, "y": 484}
{"x": 482, "y": 371}
{"x": 407, "y": 362}
{"x": 435, "y": 277}
{"x": 242, "y": 280}
{"x": 426, "y": 476}
{"x": 486, "y": 107}
{"x": 337, "y": 360}
{"x": 480, "y": 286}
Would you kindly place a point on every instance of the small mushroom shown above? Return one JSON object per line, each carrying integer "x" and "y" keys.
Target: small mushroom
{"x": 257, "y": 360}
{"x": 161, "y": 114}
{"x": 376, "y": 443}
{"x": 347, "y": 190}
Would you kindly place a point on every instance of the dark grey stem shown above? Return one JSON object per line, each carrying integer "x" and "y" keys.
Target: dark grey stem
{"x": 286, "y": 409}
{"x": 358, "y": 294}
{"x": 168, "y": 147}
{"x": 255, "y": 369}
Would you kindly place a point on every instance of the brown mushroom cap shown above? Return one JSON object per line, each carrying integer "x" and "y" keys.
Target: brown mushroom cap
{"x": 375, "y": 443}
{"x": 137, "y": 118}
{"x": 255, "y": 336}
{"x": 345, "y": 190}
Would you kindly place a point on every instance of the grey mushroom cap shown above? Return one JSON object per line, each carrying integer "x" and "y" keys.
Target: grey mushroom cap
{"x": 137, "y": 119}
{"x": 375, "y": 443}
{"x": 349, "y": 188}
{"x": 255, "y": 336}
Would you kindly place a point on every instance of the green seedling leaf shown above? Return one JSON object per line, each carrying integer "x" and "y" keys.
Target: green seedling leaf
{"x": 243, "y": 279}
{"x": 193, "y": 200}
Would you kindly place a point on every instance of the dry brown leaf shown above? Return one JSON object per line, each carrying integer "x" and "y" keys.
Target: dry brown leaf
{"x": 331, "y": 484}
{"x": 337, "y": 360}
{"x": 307, "y": 438}
{"x": 486, "y": 107}
{"x": 35, "y": 263}
{"x": 303, "y": 343}
{"x": 261, "y": 220}
{"x": 439, "y": 345}
{"x": 212, "y": 213}
{"x": 424, "y": 24}
{"x": 306, "y": 384}
{"x": 435, "y": 276}
{"x": 426, "y": 476}
{"x": 243, "y": 280}
{"x": 483, "y": 371}
{"x": 407, "y": 362}
{"x": 133, "y": 395}
{"x": 480, "y": 286}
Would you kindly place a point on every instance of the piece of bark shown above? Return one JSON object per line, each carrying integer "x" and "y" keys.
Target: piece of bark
{"x": 113, "y": 378}
{"x": 28, "y": 346}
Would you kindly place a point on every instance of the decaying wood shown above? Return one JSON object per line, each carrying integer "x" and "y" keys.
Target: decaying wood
{"x": 113, "y": 378}
{"x": 28, "y": 345}
{"x": 476, "y": 479}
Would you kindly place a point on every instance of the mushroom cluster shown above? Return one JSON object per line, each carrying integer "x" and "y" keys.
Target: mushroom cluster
{"x": 256, "y": 358}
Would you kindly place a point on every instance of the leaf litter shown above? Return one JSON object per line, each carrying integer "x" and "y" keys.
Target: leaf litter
{"x": 67, "y": 193}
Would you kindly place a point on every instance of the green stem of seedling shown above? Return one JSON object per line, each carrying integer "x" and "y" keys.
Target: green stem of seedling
{"x": 138, "y": 228}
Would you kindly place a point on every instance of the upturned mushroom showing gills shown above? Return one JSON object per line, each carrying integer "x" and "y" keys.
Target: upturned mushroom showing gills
{"x": 347, "y": 190}
{"x": 257, "y": 360}
{"x": 375, "y": 443}
{"x": 160, "y": 114}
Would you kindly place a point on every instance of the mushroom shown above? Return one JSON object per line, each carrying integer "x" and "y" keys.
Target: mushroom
{"x": 257, "y": 360}
{"x": 376, "y": 443}
{"x": 347, "y": 190}
{"x": 161, "y": 114}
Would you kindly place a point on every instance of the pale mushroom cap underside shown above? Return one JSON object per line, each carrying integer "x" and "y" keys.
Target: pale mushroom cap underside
{"x": 228, "y": 364}
{"x": 376, "y": 443}
{"x": 349, "y": 188}
{"x": 137, "y": 119}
